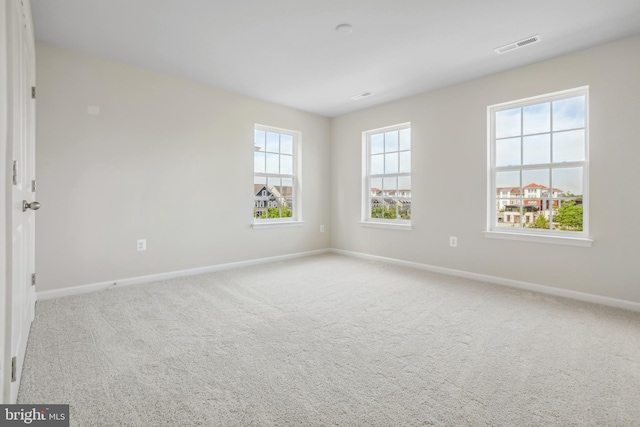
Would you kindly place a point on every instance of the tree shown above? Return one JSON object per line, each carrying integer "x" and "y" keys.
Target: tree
{"x": 569, "y": 216}
{"x": 275, "y": 212}
{"x": 541, "y": 222}
{"x": 383, "y": 212}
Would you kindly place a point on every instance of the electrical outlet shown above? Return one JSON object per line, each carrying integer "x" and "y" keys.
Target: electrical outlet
{"x": 453, "y": 241}
{"x": 142, "y": 244}
{"x": 322, "y": 228}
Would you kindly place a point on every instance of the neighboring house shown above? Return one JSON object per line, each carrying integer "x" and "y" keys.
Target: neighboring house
{"x": 391, "y": 198}
{"x": 533, "y": 195}
{"x": 274, "y": 197}
{"x": 536, "y": 200}
{"x": 510, "y": 214}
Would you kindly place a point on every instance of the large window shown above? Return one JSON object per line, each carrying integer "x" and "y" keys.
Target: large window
{"x": 275, "y": 175}
{"x": 538, "y": 165}
{"x": 387, "y": 182}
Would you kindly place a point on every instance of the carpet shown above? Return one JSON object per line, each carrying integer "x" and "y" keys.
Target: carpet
{"x": 331, "y": 340}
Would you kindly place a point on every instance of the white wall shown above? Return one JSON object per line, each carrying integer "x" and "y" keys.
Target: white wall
{"x": 167, "y": 160}
{"x": 449, "y": 136}
{"x": 170, "y": 161}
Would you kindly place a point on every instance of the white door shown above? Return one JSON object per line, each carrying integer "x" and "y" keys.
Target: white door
{"x": 21, "y": 130}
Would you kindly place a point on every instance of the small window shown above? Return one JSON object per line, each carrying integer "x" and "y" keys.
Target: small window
{"x": 538, "y": 163}
{"x": 387, "y": 183}
{"x": 276, "y": 186}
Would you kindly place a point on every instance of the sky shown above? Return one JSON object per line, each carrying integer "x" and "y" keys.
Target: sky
{"x": 524, "y": 136}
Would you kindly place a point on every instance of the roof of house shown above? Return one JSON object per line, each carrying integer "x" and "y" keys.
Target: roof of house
{"x": 516, "y": 190}
{"x": 534, "y": 185}
{"x": 273, "y": 191}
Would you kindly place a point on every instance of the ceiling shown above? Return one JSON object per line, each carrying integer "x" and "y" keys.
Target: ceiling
{"x": 289, "y": 52}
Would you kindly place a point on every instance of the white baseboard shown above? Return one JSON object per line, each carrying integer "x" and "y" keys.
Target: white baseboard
{"x": 581, "y": 296}
{"x": 93, "y": 287}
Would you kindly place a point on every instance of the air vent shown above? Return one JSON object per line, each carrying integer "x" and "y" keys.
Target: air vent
{"x": 517, "y": 45}
{"x": 361, "y": 95}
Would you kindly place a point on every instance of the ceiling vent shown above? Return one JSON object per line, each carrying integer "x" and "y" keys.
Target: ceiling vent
{"x": 361, "y": 95}
{"x": 517, "y": 45}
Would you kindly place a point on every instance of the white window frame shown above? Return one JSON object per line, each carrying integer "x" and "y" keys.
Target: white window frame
{"x": 366, "y": 220}
{"x": 574, "y": 238}
{"x": 296, "y": 196}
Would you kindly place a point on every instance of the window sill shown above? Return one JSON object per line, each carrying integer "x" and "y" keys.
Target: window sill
{"x": 276, "y": 224}
{"x": 539, "y": 238}
{"x": 389, "y": 225}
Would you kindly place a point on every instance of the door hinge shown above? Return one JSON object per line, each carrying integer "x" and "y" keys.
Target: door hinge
{"x": 14, "y": 368}
{"x": 33, "y": 186}
{"x": 33, "y": 92}
{"x": 33, "y": 279}
{"x": 15, "y": 172}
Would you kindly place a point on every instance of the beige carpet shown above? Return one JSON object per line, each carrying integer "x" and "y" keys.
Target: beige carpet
{"x": 333, "y": 341}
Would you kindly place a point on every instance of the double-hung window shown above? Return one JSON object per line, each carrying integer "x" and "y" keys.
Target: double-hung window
{"x": 387, "y": 180}
{"x": 276, "y": 184}
{"x": 538, "y": 160}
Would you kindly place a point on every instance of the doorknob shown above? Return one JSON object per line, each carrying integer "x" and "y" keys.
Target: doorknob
{"x": 33, "y": 206}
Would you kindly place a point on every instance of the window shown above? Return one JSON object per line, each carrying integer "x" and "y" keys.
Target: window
{"x": 538, "y": 165}
{"x": 387, "y": 182}
{"x": 276, "y": 185}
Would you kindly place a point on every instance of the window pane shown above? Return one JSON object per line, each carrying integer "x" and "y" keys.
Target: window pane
{"x": 569, "y": 113}
{"x": 567, "y": 182}
{"x": 377, "y": 143}
{"x": 286, "y": 190}
{"x": 273, "y": 211}
{"x": 287, "y": 208}
{"x": 535, "y": 198}
{"x": 535, "y": 192}
{"x": 376, "y": 206}
{"x": 404, "y": 186}
{"x": 259, "y": 184}
{"x": 286, "y": 164}
{"x": 536, "y": 149}
{"x": 507, "y": 123}
{"x": 568, "y": 146}
{"x": 391, "y": 163}
{"x": 568, "y": 215}
{"x": 535, "y": 179}
{"x": 405, "y": 212}
{"x": 509, "y": 179}
{"x": 286, "y": 144}
{"x": 258, "y": 162}
{"x": 383, "y": 208}
{"x": 273, "y": 184}
{"x": 273, "y": 142}
{"x": 287, "y": 187}
{"x": 405, "y": 161}
{"x": 538, "y": 218}
{"x": 508, "y": 152}
{"x": 536, "y": 118}
{"x": 376, "y": 186}
{"x": 258, "y": 140}
{"x": 405, "y": 139}
{"x": 273, "y": 164}
{"x": 377, "y": 164}
{"x": 390, "y": 185}
{"x": 392, "y": 212}
{"x": 391, "y": 141}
